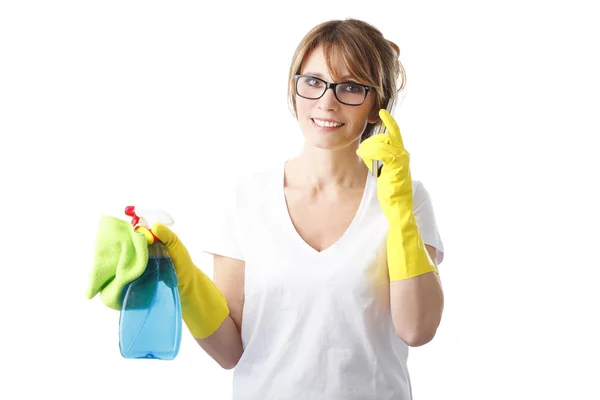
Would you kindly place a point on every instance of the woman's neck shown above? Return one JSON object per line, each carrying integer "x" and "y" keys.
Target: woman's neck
{"x": 326, "y": 169}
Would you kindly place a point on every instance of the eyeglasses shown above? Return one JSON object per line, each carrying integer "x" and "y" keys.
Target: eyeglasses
{"x": 313, "y": 88}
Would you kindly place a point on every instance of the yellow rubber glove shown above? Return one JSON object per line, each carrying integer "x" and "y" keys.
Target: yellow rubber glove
{"x": 406, "y": 253}
{"x": 203, "y": 306}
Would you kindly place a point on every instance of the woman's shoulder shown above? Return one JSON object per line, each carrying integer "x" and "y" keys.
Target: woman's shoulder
{"x": 259, "y": 182}
{"x": 259, "y": 177}
{"x": 419, "y": 191}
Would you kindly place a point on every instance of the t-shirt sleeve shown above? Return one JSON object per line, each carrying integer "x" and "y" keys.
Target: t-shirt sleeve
{"x": 425, "y": 218}
{"x": 220, "y": 234}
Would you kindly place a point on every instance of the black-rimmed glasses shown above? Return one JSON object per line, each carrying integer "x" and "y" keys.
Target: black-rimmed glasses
{"x": 313, "y": 88}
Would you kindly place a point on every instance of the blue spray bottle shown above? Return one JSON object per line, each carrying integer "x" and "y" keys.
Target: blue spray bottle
{"x": 150, "y": 320}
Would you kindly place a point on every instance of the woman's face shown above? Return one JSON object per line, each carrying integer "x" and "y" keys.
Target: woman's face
{"x": 326, "y": 123}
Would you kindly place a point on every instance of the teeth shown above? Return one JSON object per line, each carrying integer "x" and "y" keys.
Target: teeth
{"x": 327, "y": 124}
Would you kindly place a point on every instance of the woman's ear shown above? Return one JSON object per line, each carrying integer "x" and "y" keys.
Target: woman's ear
{"x": 373, "y": 116}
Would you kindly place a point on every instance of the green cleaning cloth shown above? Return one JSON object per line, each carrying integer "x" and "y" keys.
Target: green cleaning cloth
{"x": 120, "y": 257}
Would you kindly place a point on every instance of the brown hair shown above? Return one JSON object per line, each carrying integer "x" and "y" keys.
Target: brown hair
{"x": 369, "y": 57}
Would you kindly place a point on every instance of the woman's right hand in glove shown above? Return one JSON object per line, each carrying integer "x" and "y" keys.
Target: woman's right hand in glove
{"x": 203, "y": 306}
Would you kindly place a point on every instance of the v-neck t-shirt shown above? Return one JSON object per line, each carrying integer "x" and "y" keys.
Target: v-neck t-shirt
{"x": 315, "y": 324}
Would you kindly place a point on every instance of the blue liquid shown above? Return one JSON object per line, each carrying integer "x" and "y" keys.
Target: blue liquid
{"x": 150, "y": 321}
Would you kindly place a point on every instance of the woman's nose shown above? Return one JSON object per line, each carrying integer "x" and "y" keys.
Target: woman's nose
{"x": 328, "y": 101}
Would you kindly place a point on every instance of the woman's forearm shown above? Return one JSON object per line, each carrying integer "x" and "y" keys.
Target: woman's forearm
{"x": 225, "y": 345}
{"x": 417, "y": 305}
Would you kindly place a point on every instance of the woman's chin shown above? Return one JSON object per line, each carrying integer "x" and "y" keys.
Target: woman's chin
{"x": 326, "y": 142}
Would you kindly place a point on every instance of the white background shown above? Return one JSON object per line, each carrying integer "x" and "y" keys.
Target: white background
{"x": 162, "y": 104}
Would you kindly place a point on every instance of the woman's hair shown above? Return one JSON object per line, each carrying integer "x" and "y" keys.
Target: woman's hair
{"x": 370, "y": 58}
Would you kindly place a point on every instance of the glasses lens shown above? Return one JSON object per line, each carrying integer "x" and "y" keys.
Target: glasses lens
{"x": 350, "y": 93}
{"x": 310, "y": 87}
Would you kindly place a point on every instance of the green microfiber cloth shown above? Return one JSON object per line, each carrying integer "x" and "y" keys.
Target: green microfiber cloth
{"x": 120, "y": 257}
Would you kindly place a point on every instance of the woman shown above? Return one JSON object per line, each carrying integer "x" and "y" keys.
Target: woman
{"x": 324, "y": 274}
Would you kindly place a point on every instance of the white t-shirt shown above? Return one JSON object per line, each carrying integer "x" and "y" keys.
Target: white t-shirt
{"x": 315, "y": 325}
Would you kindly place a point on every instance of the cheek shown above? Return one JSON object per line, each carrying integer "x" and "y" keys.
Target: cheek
{"x": 303, "y": 107}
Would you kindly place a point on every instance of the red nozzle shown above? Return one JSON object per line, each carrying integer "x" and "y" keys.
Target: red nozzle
{"x": 130, "y": 211}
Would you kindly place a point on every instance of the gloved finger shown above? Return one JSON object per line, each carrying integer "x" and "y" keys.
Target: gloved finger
{"x": 177, "y": 251}
{"x": 391, "y": 125}
{"x": 377, "y": 151}
{"x": 384, "y": 138}
{"x": 146, "y": 232}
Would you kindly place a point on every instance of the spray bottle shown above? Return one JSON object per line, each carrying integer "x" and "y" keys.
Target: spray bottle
{"x": 150, "y": 320}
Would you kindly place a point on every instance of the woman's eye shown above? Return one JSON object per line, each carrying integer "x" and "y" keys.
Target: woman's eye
{"x": 353, "y": 88}
{"x": 313, "y": 82}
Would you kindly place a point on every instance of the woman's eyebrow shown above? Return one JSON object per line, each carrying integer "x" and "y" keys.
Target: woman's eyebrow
{"x": 319, "y": 75}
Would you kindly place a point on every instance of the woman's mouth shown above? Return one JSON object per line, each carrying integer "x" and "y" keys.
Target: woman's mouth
{"x": 327, "y": 125}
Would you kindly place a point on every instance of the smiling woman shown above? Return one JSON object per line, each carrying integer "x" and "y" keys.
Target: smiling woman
{"x": 343, "y": 47}
{"x": 331, "y": 119}
{"x": 325, "y": 273}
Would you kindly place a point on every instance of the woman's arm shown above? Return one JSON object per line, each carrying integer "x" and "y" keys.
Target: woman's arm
{"x": 415, "y": 291}
{"x": 225, "y": 345}
{"x": 417, "y": 304}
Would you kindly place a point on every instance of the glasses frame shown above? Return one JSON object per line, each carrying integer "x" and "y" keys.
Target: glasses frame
{"x": 332, "y": 86}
